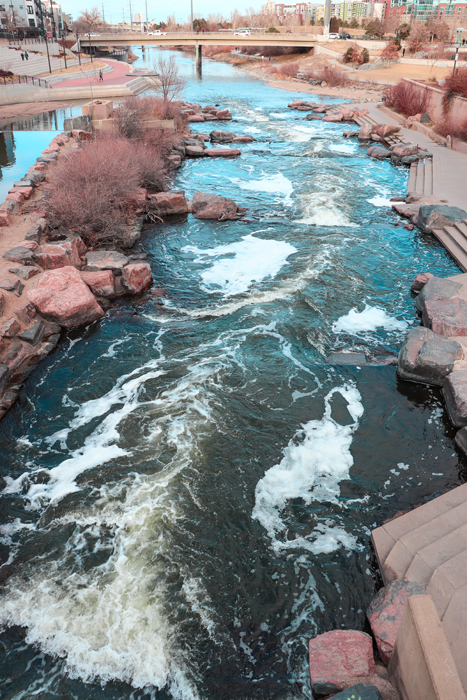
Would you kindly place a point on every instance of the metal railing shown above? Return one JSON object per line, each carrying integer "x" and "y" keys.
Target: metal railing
{"x": 20, "y": 79}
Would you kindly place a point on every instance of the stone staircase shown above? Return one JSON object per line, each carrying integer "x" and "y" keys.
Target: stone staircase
{"x": 421, "y": 177}
{"x": 429, "y": 545}
{"x": 390, "y": 140}
{"x": 454, "y": 239}
{"x": 37, "y": 65}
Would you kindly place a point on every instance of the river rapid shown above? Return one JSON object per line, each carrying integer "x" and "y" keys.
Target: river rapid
{"x": 190, "y": 487}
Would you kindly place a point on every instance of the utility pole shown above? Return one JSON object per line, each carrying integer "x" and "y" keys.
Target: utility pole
{"x": 192, "y": 16}
{"x": 103, "y": 13}
{"x": 147, "y": 21}
{"x": 44, "y": 34}
{"x": 131, "y": 18}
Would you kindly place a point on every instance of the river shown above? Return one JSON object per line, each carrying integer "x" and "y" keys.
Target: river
{"x": 191, "y": 486}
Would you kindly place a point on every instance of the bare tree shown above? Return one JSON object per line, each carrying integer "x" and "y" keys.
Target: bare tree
{"x": 167, "y": 83}
{"x": 418, "y": 37}
{"x": 90, "y": 21}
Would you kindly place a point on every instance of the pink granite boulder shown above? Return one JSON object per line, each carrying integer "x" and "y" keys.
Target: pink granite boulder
{"x": 101, "y": 283}
{"x": 10, "y": 328}
{"x": 54, "y": 255}
{"x": 333, "y": 117}
{"x": 443, "y": 306}
{"x": 365, "y": 132}
{"x": 214, "y": 206}
{"x": 5, "y": 218}
{"x": 427, "y": 357}
{"x": 385, "y": 613}
{"x": 406, "y": 149}
{"x": 195, "y": 118}
{"x": 420, "y": 281}
{"x": 62, "y": 297}
{"x": 455, "y": 396}
{"x": 222, "y": 152}
{"x": 194, "y": 152}
{"x": 223, "y": 115}
{"x": 386, "y": 130}
{"x": 337, "y": 657}
{"x": 170, "y": 202}
{"x": 137, "y": 277}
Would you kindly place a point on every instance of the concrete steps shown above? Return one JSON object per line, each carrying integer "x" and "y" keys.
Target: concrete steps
{"x": 429, "y": 545}
{"x": 421, "y": 177}
{"x": 454, "y": 239}
{"x": 37, "y": 65}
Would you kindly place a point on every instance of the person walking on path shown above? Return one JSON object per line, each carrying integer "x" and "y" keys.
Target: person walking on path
{"x": 26, "y": 56}
{"x": 403, "y": 53}
{"x": 22, "y": 56}
{"x": 101, "y": 77}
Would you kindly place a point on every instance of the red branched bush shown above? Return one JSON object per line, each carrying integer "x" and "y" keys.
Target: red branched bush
{"x": 456, "y": 83}
{"x": 287, "y": 70}
{"x": 406, "y": 99}
{"x": 332, "y": 76}
{"x": 92, "y": 188}
{"x": 452, "y": 127}
{"x": 390, "y": 51}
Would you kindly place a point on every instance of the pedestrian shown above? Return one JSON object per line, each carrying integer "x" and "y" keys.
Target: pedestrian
{"x": 101, "y": 77}
{"x": 403, "y": 53}
{"x": 22, "y": 56}
{"x": 26, "y": 56}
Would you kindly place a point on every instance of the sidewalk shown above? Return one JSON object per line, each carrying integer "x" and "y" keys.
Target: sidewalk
{"x": 449, "y": 167}
{"x": 118, "y": 76}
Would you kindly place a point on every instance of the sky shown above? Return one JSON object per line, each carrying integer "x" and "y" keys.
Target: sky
{"x": 157, "y": 10}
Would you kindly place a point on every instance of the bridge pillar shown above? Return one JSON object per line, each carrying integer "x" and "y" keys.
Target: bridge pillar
{"x": 199, "y": 59}
{"x": 327, "y": 16}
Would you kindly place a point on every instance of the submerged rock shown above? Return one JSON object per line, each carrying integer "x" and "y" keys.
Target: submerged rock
{"x": 222, "y": 152}
{"x": 62, "y": 297}
{"x": 337, "y": 657}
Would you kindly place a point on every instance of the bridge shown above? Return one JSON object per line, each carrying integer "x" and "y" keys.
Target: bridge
{"x": 199, "y": 40}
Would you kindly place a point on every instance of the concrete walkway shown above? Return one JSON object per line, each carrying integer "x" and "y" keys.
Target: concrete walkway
{"x": 119, "y": 75}
{"x": 449, "y": 167}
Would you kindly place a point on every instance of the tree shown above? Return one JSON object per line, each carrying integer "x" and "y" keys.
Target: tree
{"x": 390, "y": 51}
{"x": 438, "y": 30}
{"x": 353, "y": 55}
{"x": 353, "y": 23}
{"x": 404, "y": 30}
{"x": 418, "y": 37}
{"x": 273, "y": 30}
{"x": 365, "y": 56}
{"x": 334, "y": 25}
{"x": 376, "y": 28}
{"x": 167, "y": 83}
{"x": 89, "y": 21}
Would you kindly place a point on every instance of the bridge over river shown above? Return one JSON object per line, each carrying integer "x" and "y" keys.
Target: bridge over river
{"x": 200, "y": 40}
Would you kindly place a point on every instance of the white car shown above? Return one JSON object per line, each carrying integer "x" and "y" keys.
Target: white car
{"x": 246, "y": 32}
{"x": 157, "y": 32}
{"x": 332, "y": 36}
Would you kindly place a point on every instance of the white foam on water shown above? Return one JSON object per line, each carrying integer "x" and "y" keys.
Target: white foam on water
{"x": 238, "y": 265}
{"x": 371, "y": 318}
{"x": 253, "y": 130}
{"x": 379, "y": 201}
{"x": 343, "y": 148}
{"x": 274, "y": 184}
{"x": 280, "y": 115}
{"x": 109, "y": 623}
{"x": 321, "y": 209}
{"x": 315, "y": 461}
{"x": 285, "y": 289}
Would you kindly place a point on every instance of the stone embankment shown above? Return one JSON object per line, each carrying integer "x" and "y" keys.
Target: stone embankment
{"x": 64, "y": 283}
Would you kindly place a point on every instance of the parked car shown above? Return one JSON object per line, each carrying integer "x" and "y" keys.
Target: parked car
{"x": 333, "y": 35}
{"x": 91, "y": 34}
{"x": 344, "y": 35}
{"x": 244, "y": 32}
{"x": 157, "y": 32}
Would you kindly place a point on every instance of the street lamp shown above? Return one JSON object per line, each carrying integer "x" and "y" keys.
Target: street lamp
{"x": 192, "y": 16}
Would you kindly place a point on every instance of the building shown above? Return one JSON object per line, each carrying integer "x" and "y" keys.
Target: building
{"x": 410, "y": 10}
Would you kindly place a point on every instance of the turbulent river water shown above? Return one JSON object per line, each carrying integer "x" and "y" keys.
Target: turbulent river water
{"x": 191, "y": 487}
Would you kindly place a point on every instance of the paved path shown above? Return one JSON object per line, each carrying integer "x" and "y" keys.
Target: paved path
{"x": 118, "y": 76}
{"x": 449, "y": 167}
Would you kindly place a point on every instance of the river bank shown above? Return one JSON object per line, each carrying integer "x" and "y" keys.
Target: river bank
{"x": 141, "y": 515}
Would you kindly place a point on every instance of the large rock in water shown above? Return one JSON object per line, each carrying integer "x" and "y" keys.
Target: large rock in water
{"x": 214, "y": 206}
{"x": 170, "y": 202}
{"x": 218, "y": 136}
{"x": 106, "y": 260}
{"x": 443, "y": 305}
{"x": 61, "y": 296}
{"x": 455, "y": 395}
{"x": 385, "y": 613}
{"x": 434, "y": 216}
{"x": 222, "y": 152}
{"x": 101, "y": 283}
{"x": 428, "y": 358}
{"x": 337, "y": 657}
{"x": 137, "y": 277}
